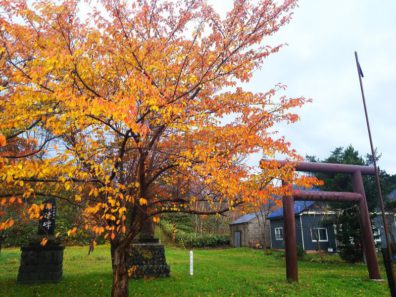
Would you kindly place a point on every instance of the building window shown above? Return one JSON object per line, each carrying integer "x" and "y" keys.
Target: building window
{"x": 279, "y": 233}
{"x": 319, "y": 234}
{"x": 377, "y": 236}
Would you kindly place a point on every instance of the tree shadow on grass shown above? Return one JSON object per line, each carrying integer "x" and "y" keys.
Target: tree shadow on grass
{"x": 85, "y": 284}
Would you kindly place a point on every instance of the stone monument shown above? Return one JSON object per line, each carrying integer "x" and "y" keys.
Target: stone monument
{"x": 42, "y": 263}
{"x": 146, "y": 256}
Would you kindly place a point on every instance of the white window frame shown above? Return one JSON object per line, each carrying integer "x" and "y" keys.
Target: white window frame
{"x": 278, "y": 234}
{"x": 318, "y": 234}
{"x": 377, "y": 232}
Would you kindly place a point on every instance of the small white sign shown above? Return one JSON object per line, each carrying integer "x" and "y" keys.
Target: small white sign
{"x": 330, "y": 250}
{"x": 191, "y": 263}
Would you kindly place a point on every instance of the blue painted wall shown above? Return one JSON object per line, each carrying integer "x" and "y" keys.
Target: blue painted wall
{"x": 317, "y": 221}
{"x": 377, "y": 222}
{"x": 308, "y": 221}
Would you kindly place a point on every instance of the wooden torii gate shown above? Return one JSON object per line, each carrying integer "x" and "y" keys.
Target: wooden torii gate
{"x": 357, "y": 196}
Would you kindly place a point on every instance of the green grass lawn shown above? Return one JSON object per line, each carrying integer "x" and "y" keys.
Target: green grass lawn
{"x": 219, "y": 272}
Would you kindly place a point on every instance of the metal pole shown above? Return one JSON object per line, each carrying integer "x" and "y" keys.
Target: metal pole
{"x": 391, "y": 277}
{"x": 289, "y": 226}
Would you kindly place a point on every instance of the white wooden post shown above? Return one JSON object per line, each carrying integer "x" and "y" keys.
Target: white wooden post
{"x": 191, "y": 263}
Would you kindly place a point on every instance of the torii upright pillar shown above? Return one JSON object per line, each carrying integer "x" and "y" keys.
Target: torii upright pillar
{"x": 365, "y": 226}
{"x": 290, "y": 239}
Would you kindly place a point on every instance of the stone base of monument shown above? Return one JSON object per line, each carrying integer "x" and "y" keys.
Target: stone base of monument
{"x": 147, "y": 259}
{"x": 41, "y": 264}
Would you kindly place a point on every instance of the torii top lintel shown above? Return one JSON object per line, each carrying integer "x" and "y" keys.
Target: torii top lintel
{"x": 331, "y": 167}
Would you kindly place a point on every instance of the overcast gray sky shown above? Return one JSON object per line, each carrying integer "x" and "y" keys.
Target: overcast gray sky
{"x": 319, "y": 63}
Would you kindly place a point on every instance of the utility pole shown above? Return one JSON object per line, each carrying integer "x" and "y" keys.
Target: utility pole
{"x": 387, "y": 254}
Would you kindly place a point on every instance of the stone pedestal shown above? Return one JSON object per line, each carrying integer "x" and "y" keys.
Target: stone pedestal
{"x": 147, "y": 259}
{"x": 41, "y": 264}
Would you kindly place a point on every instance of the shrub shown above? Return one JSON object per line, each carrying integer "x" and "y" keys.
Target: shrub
{"x": 350, "y": 253}
{"x": 300, "y": 252}
{"x": 193, "y": 240}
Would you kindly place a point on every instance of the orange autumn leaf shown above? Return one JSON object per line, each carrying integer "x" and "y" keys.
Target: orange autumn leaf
{"x": 44, "y": 241}
{"x": 3, "y": 140}
{"x": 72, "y": 231}
{"x": 143, "y": 201}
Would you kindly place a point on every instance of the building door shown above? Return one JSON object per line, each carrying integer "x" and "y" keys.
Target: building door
{"x": 237, "y": 239}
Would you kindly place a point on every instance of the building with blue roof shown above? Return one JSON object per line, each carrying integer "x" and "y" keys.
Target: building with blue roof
{"x": 299, "y": 206}
{"x": 313, "y": 230}
{"x": 266, "y": 228}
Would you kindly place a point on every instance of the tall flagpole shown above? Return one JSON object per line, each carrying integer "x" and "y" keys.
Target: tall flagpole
{"x": 388, "y": 254}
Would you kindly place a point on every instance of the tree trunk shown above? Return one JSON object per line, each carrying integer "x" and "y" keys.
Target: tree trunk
{"x": 120, "y": 271}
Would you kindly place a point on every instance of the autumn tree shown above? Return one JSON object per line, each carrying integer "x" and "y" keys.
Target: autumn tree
{"x": 132, "y": 102}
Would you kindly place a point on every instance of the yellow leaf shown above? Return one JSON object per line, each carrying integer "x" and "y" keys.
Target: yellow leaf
{"x": 142, "y": 201}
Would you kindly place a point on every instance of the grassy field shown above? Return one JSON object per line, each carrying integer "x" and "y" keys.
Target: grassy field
{"x": 221, "y": 272}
